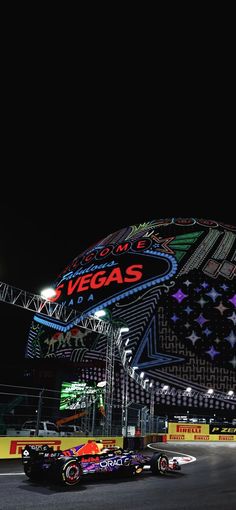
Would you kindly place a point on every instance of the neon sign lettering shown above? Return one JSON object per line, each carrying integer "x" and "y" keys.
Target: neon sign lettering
{"x": 103, "y": 252}
{"x": 100, "y": 279}
{"x": 119, "y": 249}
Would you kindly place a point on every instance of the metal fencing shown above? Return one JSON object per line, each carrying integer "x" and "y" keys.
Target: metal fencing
{"x": 36, "y": 411}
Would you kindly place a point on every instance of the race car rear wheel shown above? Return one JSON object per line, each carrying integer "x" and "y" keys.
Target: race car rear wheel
{"x": 71, "y": 472}
{"x": 159, "y": 464}
{"x": 32, "y": 472}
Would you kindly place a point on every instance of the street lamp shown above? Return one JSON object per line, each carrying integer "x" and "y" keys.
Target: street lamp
{"x": 48, "y": 293}
{"x": 210, "y": 391}
{"x": 100, "y": 313}
{"x": 165, "y": 389}
{"x": 101, "y": 384}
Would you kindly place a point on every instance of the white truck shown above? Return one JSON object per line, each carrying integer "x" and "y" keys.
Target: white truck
{"x": 46, "y": 428}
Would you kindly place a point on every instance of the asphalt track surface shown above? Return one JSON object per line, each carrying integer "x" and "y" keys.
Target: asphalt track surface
{"x": 207, "y": 483}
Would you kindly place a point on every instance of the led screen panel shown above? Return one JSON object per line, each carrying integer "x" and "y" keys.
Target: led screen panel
{"x": 78, "y": 395}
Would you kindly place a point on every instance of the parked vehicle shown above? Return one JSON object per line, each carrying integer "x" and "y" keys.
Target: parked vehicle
{"x": 70, "y": 430}
{"x": 46, "y": 428}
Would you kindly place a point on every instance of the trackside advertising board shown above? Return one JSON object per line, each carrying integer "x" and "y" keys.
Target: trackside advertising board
{"x": 198, "y": 432}
{"x": 11, "y": 447}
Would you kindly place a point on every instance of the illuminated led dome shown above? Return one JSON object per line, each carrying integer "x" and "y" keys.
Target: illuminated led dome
{"x": 172, "y": 281}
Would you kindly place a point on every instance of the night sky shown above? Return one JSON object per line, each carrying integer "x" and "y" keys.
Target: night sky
{"x": 42, "y": 232}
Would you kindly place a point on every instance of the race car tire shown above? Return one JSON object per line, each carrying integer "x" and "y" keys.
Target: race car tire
{"x": 70, "y": 472}
{"x": 159, "y": 464}
{"x": 32, "y": 472}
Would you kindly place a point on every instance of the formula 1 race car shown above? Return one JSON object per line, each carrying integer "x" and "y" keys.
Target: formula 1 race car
{"x": 70, "y": 466}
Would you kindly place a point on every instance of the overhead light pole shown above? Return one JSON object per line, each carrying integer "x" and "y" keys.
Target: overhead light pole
{"x": 114, "y": 336}
{"x": 124, "y": 409}
{"x": 152, "y": 406}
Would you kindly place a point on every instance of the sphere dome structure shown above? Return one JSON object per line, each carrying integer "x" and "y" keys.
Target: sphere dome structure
{"x": 173, "y": 282}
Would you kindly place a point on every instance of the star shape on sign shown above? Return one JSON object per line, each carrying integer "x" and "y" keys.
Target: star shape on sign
{"x": 174, "y": 318}
{"x": 201, "y": 320}
{"x": 163, "y": 243}
{"x": 193, "y": 337}
{"x": 221, "y": 308}
{"x": 231, "y": 338}
{"x": 188, "y": 310}
{"x": 146, "y": 356}
{"x": 212, "y": 352}
{"x": 233, "y": 362}
{"x": 179, "y": 295}
{"x": 187, "y": 282}
{"x": 213, "y": 294}
{"x": 233, "y": 300}
{"x": 207, "y": 331}
{"x": 233, "y": 318}
{"x": 224, "y": 286}
{"x": 202, "y": 302}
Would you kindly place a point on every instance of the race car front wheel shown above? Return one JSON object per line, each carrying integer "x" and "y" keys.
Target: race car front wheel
{"x": 71, "y": 472}
{"x": 159, "y": 464}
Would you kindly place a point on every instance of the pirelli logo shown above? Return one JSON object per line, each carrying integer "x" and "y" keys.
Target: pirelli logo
{"x": 16, "y": 445}
{"x": 226, "y": 438}
{"x": 108, "y": 442}
{"x": 201, "y": 437}
{"x": 189, "y": 429}
{"x": 177, "y": 437}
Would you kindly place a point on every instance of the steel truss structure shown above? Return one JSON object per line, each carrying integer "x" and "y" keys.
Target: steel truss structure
{"x": 156, "y": 390}
{"x": 39, "y": 305}
{"x": 64, "y": 314}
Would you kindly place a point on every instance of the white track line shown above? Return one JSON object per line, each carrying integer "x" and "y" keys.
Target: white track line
{"x": 183, "y": 455}
{"x": 9, "y": 474}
